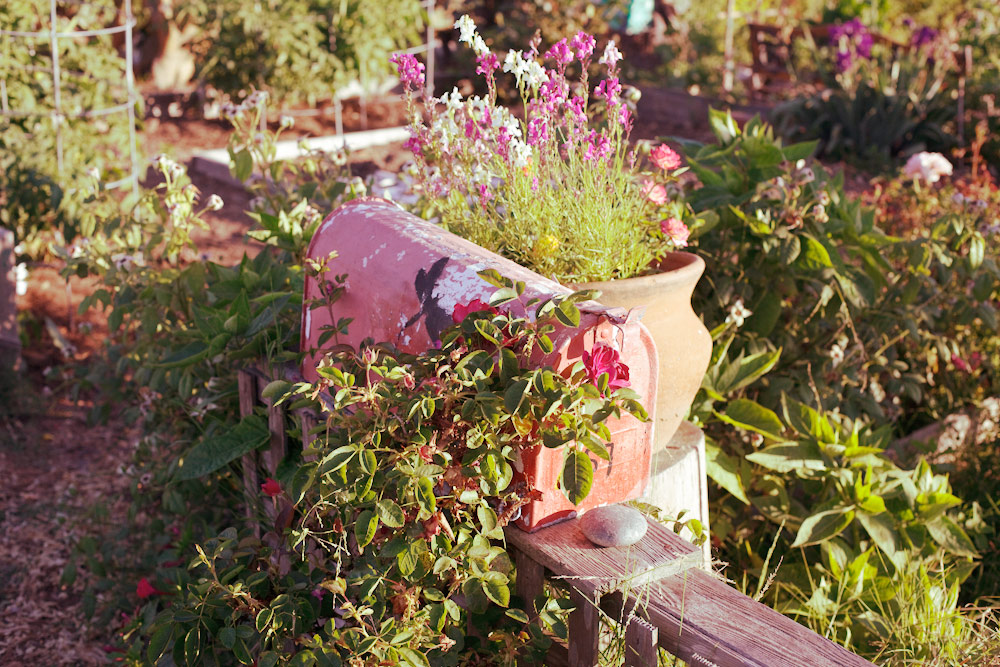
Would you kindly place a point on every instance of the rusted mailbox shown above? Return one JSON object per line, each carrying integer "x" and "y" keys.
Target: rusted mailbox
{"x": 404, "y": 278}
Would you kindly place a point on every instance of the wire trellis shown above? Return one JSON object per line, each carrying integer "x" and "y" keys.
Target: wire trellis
{"x": 57, "y": 114}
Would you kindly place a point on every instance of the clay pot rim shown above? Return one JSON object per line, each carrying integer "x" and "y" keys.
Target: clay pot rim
{"x": 676, "y": 268}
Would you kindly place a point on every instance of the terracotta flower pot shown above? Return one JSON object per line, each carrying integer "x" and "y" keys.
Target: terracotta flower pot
{"x": 683, "y": 344}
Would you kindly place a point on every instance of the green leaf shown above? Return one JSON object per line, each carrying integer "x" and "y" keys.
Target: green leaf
{"x": 493, "y": 277}
{"x": 425, "y": 495}
{"x": 789, "y": 457}
{"x": 242, "y": 165}
{"x": 568, "y": 314}
{"x": 949, "y": 535}
{"x": 517, "y": 614}
{"x": 192, "y": 646}
{"x": 725, "y": 470}
{"x": 227, "y": 637}
{"x": 158, "y": 642}
{"x": 268, "y": 659}
{"x": 390, "y": 513}
{"x": 752, "y": 416}
{"x": 364, "y": 529}
{"x": 577, "y": 476}
{"x": 514, "y": 395}
{"x": 412, "y": 658}
{"x": 276, "y": 389}
{"x": 495, "y": 587}
{"x": 723, "y": 126}
{"x": 815, "y": 255}
{"x": 882, "y": 531}
{"x": 823, "y": 526}
{"x": 215, "y": 451}
{"x": 502, "y": 296}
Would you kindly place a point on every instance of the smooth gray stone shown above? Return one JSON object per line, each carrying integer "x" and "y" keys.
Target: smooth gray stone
{"x": 613, "y": 525}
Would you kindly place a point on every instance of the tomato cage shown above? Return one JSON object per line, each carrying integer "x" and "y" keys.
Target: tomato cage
{"x": 67, "y": 86}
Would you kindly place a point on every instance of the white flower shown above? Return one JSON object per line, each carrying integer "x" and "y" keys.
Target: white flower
{"x": 819, "y": 212}
{"x": 536, "y": 74}
{"x": 929, "y": 167}
{"x": 611, "y": 55}
{"x": 452, "y": 100}
{"x": 958, "y": 199}
{"x": 286, "y": 122}
{"x": 479, "y": 46}
{"x": 21, "y": 279}
{"x": 738, "y": 313}
{"x": 310, "y": 215}
{"x": 836, "y": 354}
{"x": 125, "y": 262}
{"x": 467, "y": 27}
{"x": 516, "y": 65}
{"x": 520, "y": 153}
{"x": 215, "y": 203}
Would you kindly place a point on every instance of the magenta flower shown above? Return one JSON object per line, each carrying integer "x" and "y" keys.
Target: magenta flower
{"x": 605, "y": 359}
{"x": 609, "y": 89}
{"x": 487, "y": 63}
{"x": 271, "y": 488}
{"x": 410, "y": 70}
{"x": 583, "y": 45}
{"x": 665, "y": 158}
{"x": 654, "y": 192}
{"x": 676, "y": 231}
{"x": 474, "y": 306}
{"x": 561, "y": 53}
{"x": 144, "y": 589}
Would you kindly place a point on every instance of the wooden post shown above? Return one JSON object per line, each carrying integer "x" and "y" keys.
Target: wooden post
{"x": 10, "y": 342}
{"x": 584, "y": 630}
{"x": 640, "y": 643}
{"x": 276, "y": 426}
{"x": 530, "y": 578}
{"x": 247, "y": 385}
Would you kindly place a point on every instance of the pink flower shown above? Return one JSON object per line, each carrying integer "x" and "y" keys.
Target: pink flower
{"x": 583, "y": 45}
{"x": 411, "y": 71}
{"x": 609, "y": 89}
{"x": 271, "y": 488}
{"x": 676, "y": 231}
{"x": 144, "y": 589}
{"x": 317, "y": 593}
{"x": 487, "y": 63}
{"x": 474, "y": 306}
{"x": 664, "y": 157}
{"x": 654, "y": 192}
{"x": 975, "y": 359}
{"x": 605, "y": 359}
{"x": 561, "y": 53}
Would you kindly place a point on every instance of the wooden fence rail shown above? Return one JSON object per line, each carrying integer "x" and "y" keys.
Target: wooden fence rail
{"x": 656, "y": 588}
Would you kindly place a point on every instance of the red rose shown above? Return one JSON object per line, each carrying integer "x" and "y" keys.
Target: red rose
{"x": 474, "y": 306}
{"x": 605, "y": 359}
{"x": 144, "y": 589}
{"x": 271, "y": 488}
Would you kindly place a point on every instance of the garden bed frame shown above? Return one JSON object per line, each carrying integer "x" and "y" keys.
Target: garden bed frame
{"x": 657, "y": 588}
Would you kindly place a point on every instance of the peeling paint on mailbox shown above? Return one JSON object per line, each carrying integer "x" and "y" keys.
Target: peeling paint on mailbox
{"x": 404, "y": 278}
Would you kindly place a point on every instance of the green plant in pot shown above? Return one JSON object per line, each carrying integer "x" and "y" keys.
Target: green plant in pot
{"x": 559, "y": 189}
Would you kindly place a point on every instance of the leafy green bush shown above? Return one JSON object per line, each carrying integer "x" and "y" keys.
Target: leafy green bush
{"x": 815, "y": 306}
{"x": 300, "y": 51}
{"x": 877, "y": 108}
{"x": 39, "y": 201}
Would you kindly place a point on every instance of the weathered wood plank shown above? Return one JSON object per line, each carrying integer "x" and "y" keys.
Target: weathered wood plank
{"x": 246, "y": 383}
{"x": 569, "y": 555}
{"x": 640, "y": 643}
{"x": 530, "y": 578}
{"x": 704, "y": 621}
{"x": 584, "y": 630}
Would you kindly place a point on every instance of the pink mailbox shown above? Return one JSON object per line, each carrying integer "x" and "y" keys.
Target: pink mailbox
{"x": 404, "y": 278}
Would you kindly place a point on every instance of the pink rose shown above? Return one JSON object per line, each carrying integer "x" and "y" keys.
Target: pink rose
{"x": 476, "y": 305}
{"x": 654, "y": 192}
{"x": 676, "y": 231}
{"x": 665, "y": 157}
{"x": 605, "y": 359}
